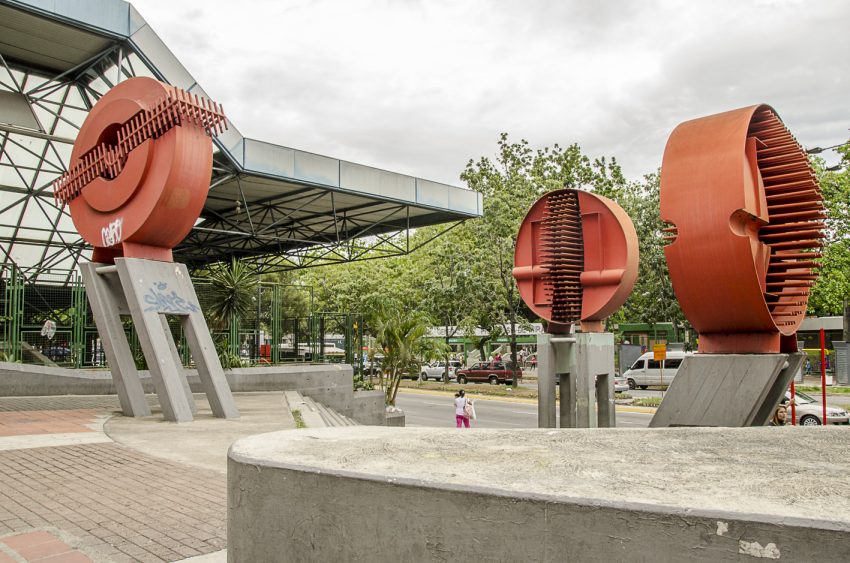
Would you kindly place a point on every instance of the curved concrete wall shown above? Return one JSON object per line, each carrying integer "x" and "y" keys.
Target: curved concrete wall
{"x": 352, "y": 494}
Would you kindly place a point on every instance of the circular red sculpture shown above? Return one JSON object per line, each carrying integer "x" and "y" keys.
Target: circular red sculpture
{"x": 747, "y": 214}
{"x": 576, "y": 259}
{"x": 140, "y": 169}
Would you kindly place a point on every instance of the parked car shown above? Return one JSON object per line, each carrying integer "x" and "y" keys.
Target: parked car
{"x": 57, "y": 353}
{"x": 492, "y": 372}
{"x": 621, "y": 384}
{"x": 435, "y": 370}
{"x": 368, "y": 366}
{"x": 809, "y": 411}
{"x": 646, "y": 371}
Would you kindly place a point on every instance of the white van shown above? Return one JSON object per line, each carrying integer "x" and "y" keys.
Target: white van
{"x": 646, "y": 371}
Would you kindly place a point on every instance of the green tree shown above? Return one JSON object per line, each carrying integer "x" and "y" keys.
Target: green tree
{"x": 652, "y": 300}
{"x": 449, "y": 283}
{"x": 511, "y": 183}
{"x": 833, "y": 284}
{"x": 233, "y": 294}
{"x": 400, "y": 334}
{"x": 232, "y": 290}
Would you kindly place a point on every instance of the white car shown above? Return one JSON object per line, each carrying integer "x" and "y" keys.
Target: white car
{"x": 621, "y": 385}
{"x": 810, "y": 412}
{"x": 435, "y": 371}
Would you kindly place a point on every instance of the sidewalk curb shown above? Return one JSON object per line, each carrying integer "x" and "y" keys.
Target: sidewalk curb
{"x": 472, "y": 394}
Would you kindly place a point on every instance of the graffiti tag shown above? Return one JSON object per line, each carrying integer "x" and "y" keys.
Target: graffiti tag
{"x": 161, "y": 300}
{"x": 111, "y": 234}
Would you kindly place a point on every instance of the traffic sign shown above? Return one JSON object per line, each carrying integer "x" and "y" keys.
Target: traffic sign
{"x": 659, "y": 352}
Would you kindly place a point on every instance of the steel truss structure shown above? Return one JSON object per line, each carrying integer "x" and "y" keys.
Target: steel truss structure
{"x": 274, "y": 207}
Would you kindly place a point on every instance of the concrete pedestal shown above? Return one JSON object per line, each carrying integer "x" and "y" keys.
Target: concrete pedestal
{"x": 583, "y": 365}
{"x": 149, "y": 290}
{"x": 727, "y": 389}
{"x": 420, "y": 494}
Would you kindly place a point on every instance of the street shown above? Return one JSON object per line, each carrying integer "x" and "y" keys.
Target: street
{"x": 438, "y": 411}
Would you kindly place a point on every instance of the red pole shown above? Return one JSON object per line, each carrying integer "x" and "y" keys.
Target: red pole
{"x": 823, "y": 373}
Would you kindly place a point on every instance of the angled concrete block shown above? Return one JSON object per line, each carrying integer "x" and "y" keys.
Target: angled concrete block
{"x": 727, "y": 389}
{"x": 154, "y": 289}
{"x": 150, "y": 291}
{"x": 107, "y": 304}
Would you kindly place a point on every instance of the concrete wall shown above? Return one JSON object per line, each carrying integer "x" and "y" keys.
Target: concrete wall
{"x": 367, "y": 407}
{"x": 285, "y": 515}
{"x": 310, "y": 498}
{"x": 34, "y": 380}
{"x": 330, "y": 384}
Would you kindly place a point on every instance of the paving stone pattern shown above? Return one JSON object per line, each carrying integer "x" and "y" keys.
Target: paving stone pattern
{"x": 112, "y": 503}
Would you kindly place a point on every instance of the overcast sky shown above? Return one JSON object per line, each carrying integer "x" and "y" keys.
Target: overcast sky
{"x": 420, "y": 87}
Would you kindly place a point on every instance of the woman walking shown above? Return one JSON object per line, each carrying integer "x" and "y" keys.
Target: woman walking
{"x": 461, "y": 416}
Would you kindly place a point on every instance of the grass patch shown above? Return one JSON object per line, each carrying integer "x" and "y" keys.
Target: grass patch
{"x": 647, "y": 402}
{"x": 299, "y": 420}
{"x": 829, "y": 390}
{"x": 487, "y": 390}
{"x": 484, "y": 389}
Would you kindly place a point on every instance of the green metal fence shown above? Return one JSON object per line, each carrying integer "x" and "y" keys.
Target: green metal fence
{"x": 49, "y": 322}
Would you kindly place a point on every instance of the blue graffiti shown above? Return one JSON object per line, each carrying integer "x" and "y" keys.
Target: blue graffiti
{"x": 161, "y": 301}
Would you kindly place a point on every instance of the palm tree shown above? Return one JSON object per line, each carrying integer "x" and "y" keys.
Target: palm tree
{"x": 232, "y": 291}
{"x": 401, "y": 335}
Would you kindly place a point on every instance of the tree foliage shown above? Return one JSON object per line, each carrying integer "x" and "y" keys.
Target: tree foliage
{"x": 232, "y": 290}
{"x": 652, "y": 300}
{"x": 463, "y": 280}
{"x": 400, "y": 334}
{"x": 833, "y": 285}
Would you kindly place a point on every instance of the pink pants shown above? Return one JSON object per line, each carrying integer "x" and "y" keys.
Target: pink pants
{"x": 462, "y": 420}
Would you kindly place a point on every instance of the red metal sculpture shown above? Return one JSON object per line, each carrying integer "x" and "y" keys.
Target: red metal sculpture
{"x": 140, "y": 169}
{"x": 747, "y": 216}
{"x": 576, "y": 259}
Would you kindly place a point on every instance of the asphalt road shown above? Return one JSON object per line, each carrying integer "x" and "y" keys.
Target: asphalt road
{"x": 438, "y": 411}
{"x": 636, "y": 393}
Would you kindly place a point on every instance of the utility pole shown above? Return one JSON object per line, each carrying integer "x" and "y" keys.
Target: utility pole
{"x": 846, "y": 320}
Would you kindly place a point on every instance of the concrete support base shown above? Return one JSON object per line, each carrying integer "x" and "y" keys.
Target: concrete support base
{"x": 727, "y": 389}
{"x": 148, "y": 291}
{"x": 583, "y": 365}
{"x": 591, "y": 496}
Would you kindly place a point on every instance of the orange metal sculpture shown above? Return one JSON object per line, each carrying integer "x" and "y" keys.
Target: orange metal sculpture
{"x": 576, "y": 259}
{"x": 747, "y": 216}
{"x": 140, "y": 169}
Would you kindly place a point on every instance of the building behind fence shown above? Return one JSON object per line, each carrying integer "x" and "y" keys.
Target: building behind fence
{"x": 49, "y": 322}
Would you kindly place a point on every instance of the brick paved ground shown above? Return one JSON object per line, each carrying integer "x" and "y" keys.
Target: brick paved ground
{"x": 112, "y": 503}
{"x": 68, "y": 402}
{"x": 41, "y": 547}
{"x": 29, "y": 423}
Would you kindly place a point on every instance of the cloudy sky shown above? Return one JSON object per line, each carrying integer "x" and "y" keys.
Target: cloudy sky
{"x": 420, "y": 87}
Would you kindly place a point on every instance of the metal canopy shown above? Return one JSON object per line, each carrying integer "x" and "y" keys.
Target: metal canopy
{"x": 278, "y": 207}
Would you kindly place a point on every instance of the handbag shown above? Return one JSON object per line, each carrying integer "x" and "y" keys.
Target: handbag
{"x": 469, "y": 410}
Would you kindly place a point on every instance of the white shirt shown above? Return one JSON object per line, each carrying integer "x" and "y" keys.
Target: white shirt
{"x": 460, "y": 403}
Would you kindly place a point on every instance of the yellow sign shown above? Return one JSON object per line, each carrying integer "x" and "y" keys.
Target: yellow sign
{"x": 659, "y": 352}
